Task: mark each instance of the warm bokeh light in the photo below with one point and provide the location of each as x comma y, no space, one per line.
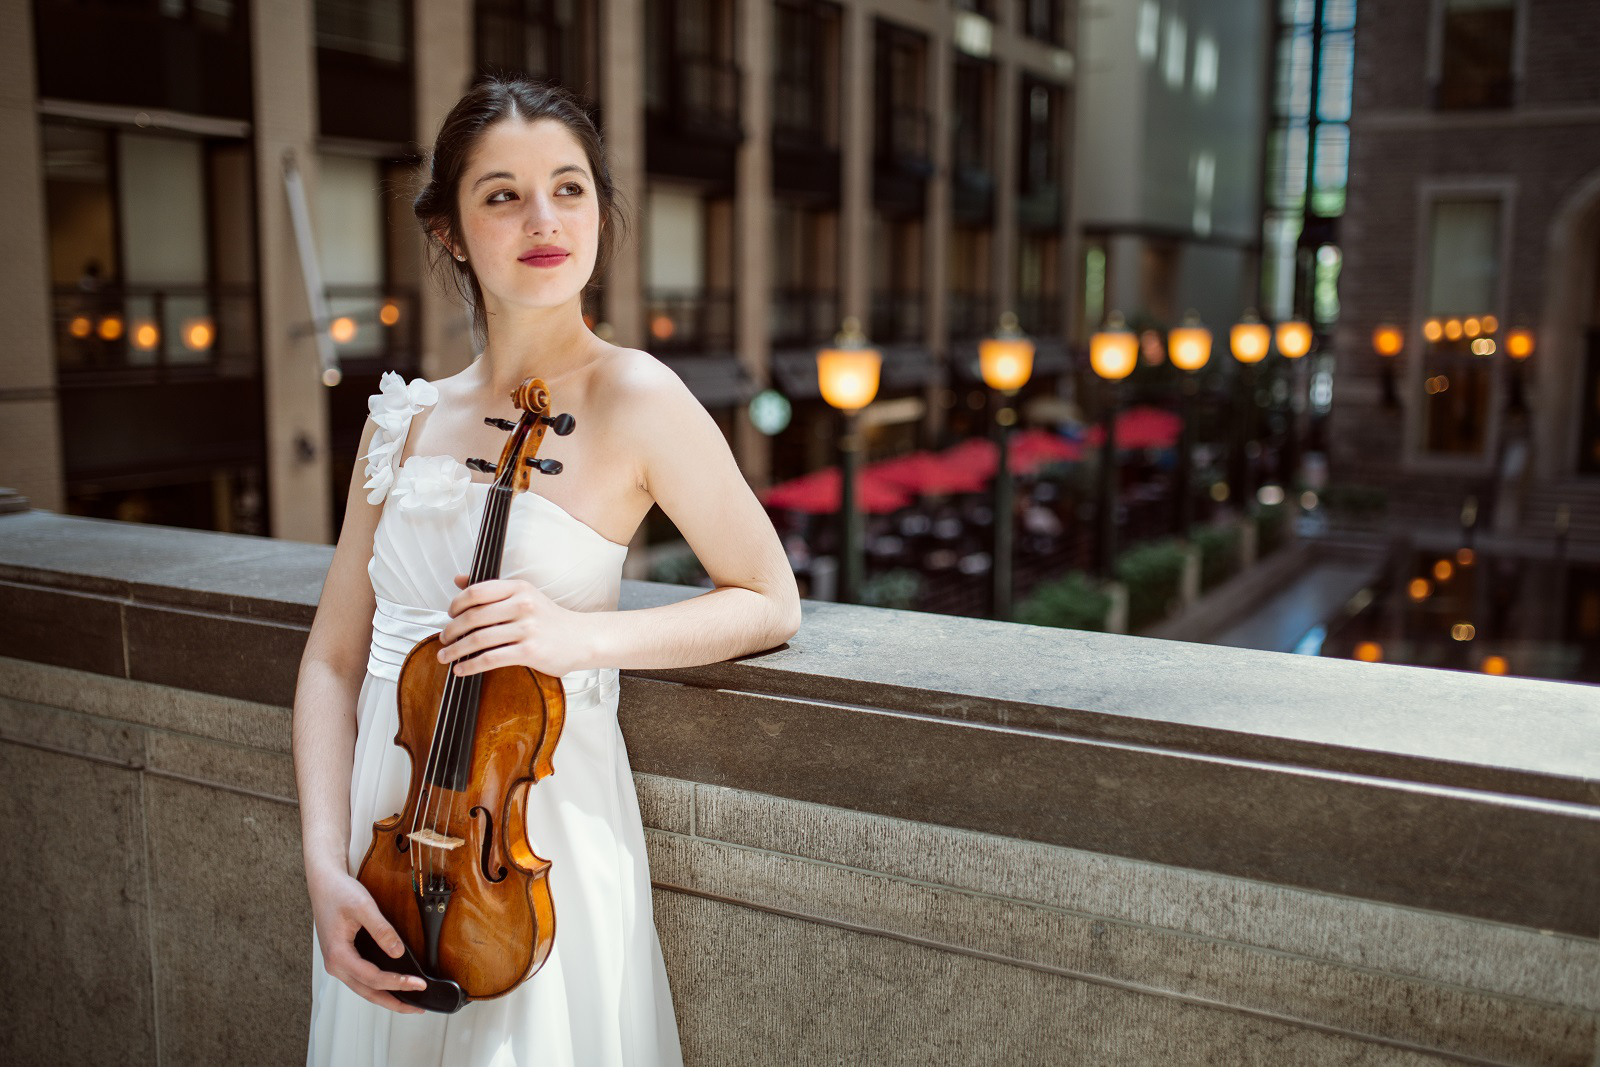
1433,329
1490,324
1219,491
1388,340
332,376
1463,631
1419,589
1471,326
1443,570
389,314
342,330
1452,330
1483,346
1369,652
1437,384
1466,557
1270,495
198,334
1189,346
1250,340
1519,344
145,336
111,327
1114,350
80,326
1308,500
1495,665
1294,338
661,327
1006,359
848,372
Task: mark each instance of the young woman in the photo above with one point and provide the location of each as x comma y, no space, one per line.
521,208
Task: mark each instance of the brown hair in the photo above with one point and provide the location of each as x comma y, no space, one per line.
494,99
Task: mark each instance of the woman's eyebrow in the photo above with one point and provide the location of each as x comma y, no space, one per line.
569,166
495,175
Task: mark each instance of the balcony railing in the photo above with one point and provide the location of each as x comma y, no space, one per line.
896,316
708,94
1040,315
802,317
797,119
1267,858
904,139
151,330
689,320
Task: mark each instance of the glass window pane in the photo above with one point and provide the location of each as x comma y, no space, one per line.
1333,163
1463,272
1338,72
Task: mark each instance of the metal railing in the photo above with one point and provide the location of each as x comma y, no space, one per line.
689,319
803,317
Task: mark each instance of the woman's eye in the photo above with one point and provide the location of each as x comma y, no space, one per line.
492,199
577,190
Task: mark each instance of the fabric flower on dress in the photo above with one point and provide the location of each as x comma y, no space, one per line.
391,409
432,482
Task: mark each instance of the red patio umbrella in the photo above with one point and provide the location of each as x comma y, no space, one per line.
818,493
1143,427
1029,450
924,472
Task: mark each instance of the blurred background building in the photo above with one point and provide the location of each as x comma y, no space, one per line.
792,163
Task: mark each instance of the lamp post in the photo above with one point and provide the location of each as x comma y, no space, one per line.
847,375
1519,346
1294,339
1249,340
1006,360
1387,341
1189,347
1112,353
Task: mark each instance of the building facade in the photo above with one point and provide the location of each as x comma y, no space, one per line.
1474,211
206,174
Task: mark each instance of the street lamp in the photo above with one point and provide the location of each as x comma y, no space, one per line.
847,375
1519,346
1250,340
1006,360
1112,353
1294,339
1387,341
1189,347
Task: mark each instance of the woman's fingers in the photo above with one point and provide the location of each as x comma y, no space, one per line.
498,611
487,637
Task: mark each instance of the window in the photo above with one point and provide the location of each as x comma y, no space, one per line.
1463,286
1478,39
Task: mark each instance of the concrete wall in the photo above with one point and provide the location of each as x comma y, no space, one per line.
916,839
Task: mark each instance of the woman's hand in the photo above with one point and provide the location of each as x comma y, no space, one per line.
508,621
341,905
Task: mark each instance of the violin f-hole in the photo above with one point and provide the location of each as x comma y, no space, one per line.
488,844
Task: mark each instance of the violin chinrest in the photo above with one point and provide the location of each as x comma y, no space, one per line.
441,995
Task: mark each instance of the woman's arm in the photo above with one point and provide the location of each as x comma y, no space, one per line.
324,737
688,469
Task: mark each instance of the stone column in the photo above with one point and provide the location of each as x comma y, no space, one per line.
622,62
855,155
752,208
283,54
936,224
30,423
443,48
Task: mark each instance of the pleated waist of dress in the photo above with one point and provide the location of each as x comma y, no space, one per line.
396,629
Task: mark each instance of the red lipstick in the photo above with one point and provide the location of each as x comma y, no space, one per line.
545,256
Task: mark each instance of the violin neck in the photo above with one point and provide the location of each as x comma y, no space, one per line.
492,534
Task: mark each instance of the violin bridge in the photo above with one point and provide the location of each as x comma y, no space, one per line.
434,839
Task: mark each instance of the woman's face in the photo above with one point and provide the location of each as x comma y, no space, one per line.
530,218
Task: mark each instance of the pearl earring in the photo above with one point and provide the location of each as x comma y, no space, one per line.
462,258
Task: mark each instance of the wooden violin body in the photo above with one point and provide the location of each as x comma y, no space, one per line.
454,871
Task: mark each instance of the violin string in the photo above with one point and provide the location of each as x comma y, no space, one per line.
496,517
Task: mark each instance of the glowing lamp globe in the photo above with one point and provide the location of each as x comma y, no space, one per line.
1250,339
1006,359
1519,344
1189,345
1114,350
1294,338
848,372
1388,340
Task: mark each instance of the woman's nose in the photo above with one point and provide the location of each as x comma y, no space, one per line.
541,217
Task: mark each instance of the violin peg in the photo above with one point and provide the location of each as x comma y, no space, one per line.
500,424
482,465
544,466
562,424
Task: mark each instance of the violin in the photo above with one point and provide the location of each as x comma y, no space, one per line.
454,871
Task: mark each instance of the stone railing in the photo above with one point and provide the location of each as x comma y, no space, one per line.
902,838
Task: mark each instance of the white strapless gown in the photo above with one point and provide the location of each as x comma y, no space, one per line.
601,999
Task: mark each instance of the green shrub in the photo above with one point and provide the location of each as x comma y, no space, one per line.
1153,573
1219,554
1074,602
1272,528
898,588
